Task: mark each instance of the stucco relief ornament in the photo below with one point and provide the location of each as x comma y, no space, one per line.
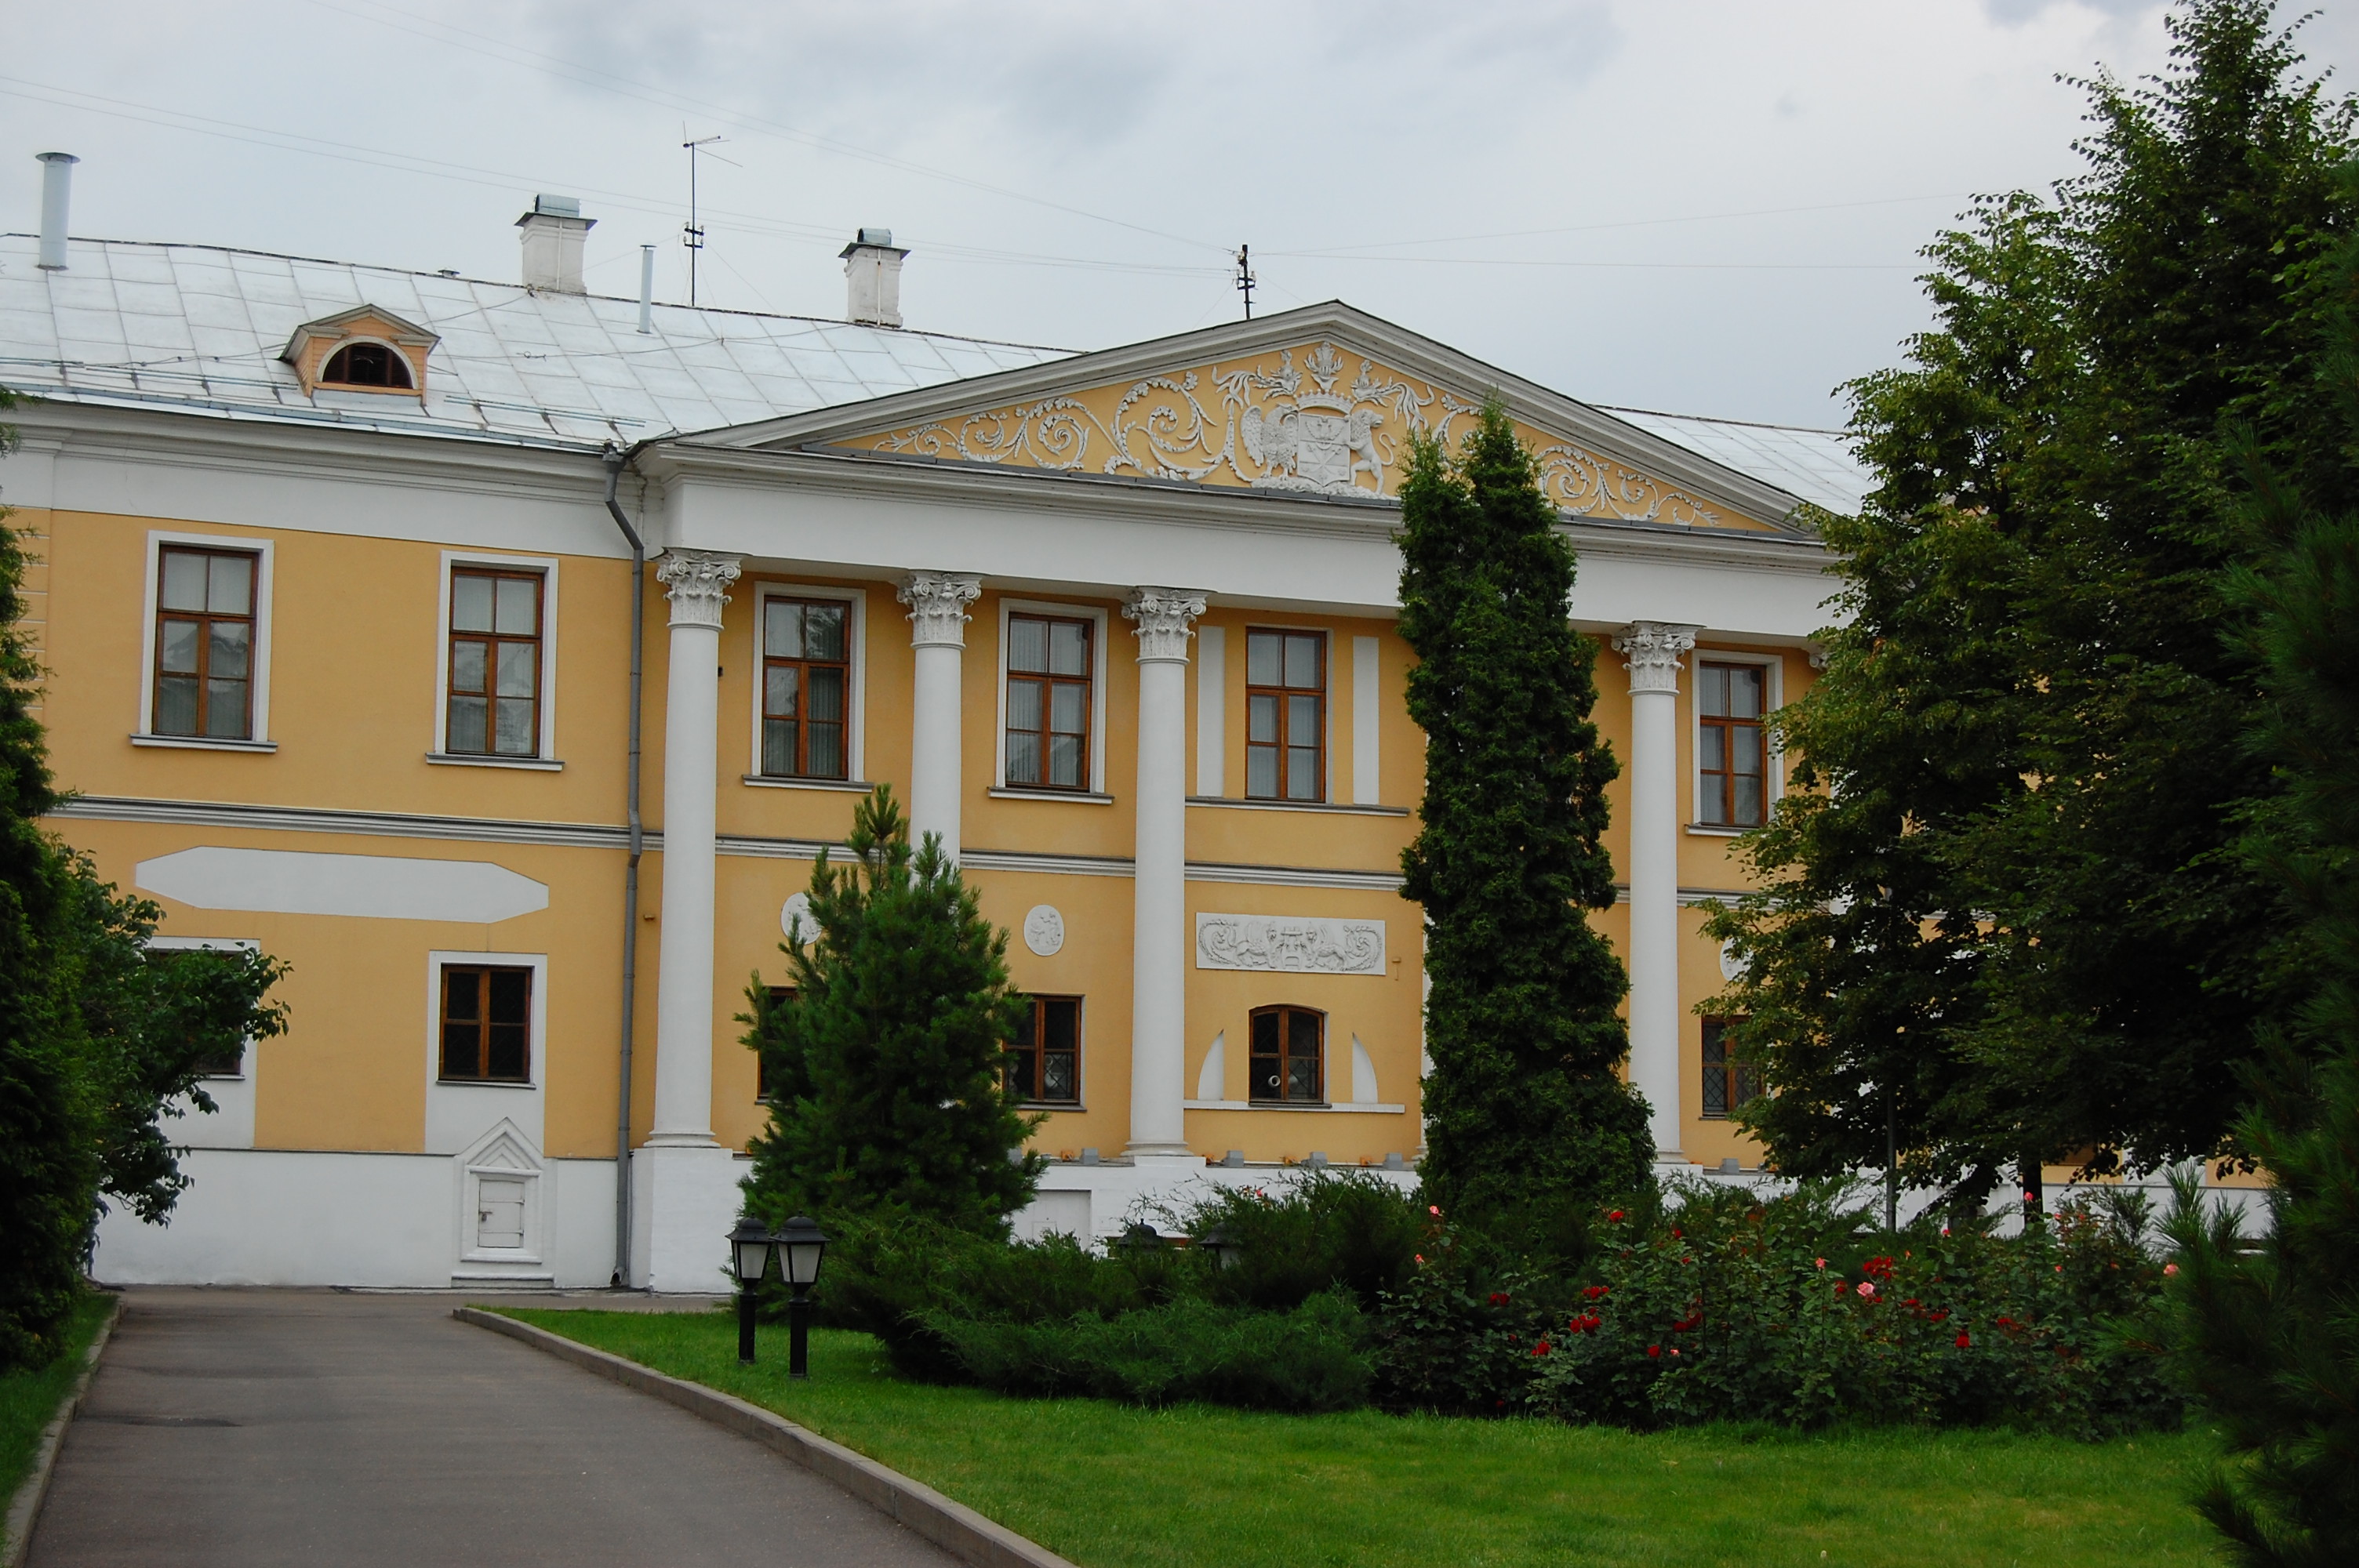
1044,930
697,583
1290,945
795,918
1318,438
938,602
1653,650
1165,616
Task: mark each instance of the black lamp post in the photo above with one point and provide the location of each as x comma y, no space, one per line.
801,1247
1139,1237
1221,1245
749,1259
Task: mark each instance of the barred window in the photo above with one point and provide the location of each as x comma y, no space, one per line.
1727,1083
1045,1063
1289,1056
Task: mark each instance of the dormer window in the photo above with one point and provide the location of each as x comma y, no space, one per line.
363,349
366,365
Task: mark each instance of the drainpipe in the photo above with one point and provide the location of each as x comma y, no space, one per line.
616,458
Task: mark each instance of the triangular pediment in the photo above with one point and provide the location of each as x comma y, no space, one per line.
1321,401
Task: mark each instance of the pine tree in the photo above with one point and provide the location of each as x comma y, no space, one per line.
2017,925
1523,1110
885,1064
2269,1337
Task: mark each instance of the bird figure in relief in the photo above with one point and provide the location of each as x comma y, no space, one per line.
1270,439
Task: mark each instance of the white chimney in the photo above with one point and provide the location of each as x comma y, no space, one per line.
872,277
56,191
553,243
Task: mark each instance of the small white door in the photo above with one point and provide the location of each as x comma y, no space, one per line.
499,1213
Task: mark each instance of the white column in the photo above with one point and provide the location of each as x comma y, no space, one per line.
1159,942
937,618
683,1196
1653,650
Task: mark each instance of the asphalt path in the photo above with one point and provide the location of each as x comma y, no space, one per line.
281,1427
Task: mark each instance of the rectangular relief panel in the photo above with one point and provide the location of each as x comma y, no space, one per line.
1297,944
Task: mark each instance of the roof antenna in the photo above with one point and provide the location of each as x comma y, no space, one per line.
1245,276
693,234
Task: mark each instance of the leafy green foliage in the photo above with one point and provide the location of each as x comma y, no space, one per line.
97,1033
2003,907
886,1066
1321,1230
1523,1110
2268,1333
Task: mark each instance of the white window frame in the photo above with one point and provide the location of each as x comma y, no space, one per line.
546,760
1327,635
856,728
536,1064
1097,616
1773,762
258,690
231,1126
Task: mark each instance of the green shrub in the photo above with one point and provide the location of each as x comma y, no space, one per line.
1321,1230
1310,1358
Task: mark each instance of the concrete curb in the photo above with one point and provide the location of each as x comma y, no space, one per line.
952,1526
25,1507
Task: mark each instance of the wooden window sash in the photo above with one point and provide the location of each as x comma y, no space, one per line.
800,721
1258,1089
201,725
492,642
1724,729
468,1042
1043,735
1028,1065
1284,752
1727,1082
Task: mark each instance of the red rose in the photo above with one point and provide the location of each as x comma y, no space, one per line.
1542,1348
1596,1291
1964,1341
1656,1351
1615,1214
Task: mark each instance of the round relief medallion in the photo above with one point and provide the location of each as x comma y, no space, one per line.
1731,966
795,919
1044,930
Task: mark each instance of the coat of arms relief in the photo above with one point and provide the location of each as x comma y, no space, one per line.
1275,426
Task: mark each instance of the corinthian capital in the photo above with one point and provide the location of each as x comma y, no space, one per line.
1653,649
699,583
938,602
1165,616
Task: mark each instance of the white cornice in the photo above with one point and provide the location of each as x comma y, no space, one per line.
1397,346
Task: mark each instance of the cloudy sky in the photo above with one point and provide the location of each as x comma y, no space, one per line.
1705,206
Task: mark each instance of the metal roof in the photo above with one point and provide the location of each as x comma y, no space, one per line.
199,328
202,327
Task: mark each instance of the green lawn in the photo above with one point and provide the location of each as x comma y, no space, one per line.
1113,1487
28,1400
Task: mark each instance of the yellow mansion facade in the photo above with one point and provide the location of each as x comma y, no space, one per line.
340,601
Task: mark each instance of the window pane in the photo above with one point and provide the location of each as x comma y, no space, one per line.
178,653
1746,810
1709,754
1261,657
777,746
227,656
1747,738
1261,719
1020,1075
1265,1033
778,685
184,581
467,665
1302,1034
225,710
1301,1077
1715,800
471,602
511,996
519,669
1068,708
1058,1080
1302,773
1027,643
1302,661
1024,705
826,695
1746,685
1711,690
824,631
782,628
230,585
1302,722
461,1045
1715,1090
1069,648
176,705
517,735
1261,772
826,761
1062,1020
518,610
507,1052
1023,757
1065,761
468,717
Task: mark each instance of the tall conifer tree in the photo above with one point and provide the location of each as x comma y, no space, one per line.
888,1089
1523,1109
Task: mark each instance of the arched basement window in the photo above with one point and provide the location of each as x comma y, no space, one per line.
367,364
